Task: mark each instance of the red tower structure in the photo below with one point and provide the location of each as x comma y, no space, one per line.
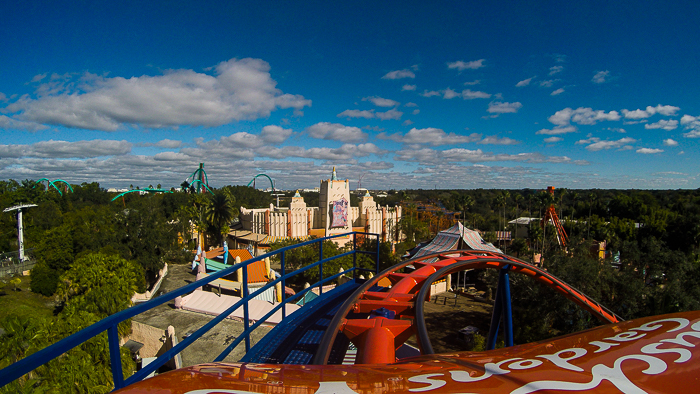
551,214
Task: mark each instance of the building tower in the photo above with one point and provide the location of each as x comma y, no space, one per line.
334,205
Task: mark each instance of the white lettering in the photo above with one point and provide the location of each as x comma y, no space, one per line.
525,364
489,370
433,384
334,388
654,325
653,348
681,341
603,346
626,336
600,372
696,326
563,362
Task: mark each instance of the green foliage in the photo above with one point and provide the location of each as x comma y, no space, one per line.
44,280
219,212
84,369
15,282
100,284
56,248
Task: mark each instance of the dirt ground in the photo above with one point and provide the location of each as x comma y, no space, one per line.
446,314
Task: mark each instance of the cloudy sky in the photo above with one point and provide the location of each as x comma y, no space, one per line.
400,94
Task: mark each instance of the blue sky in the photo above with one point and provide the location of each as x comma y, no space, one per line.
403,94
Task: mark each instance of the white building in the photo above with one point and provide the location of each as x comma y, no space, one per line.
334,215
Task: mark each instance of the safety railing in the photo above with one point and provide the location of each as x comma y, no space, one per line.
110,323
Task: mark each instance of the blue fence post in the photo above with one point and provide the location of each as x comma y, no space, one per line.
502,307
246,314
284,287
320,267
507,309
115,357
495,319
354,257
376,258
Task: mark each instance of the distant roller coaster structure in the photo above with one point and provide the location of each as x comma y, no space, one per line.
53,184
148,190
198,178
266,176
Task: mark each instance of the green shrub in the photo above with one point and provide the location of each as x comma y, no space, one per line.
43,280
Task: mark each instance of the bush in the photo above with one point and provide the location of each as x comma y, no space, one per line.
43,280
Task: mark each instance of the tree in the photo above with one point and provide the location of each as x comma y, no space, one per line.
219,212
100,284
591,198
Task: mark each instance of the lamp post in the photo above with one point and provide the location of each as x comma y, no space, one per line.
20,236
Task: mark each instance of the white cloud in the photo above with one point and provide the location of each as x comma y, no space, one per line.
548,83
430,93
666,110
601,76
584,116
337,132
449,94
410,104
64,149
558,130
356,113
408,87
461,66
38,77
503,107
427,156
552,140
524,82
240,90
7,123
242,140
415,112
596,144
399,74
390,114
275,134
670,142
557,92
468,94
663,124
168,144
344,153
647,151
430,135
472,83
691,123
495,140
381,102
555,70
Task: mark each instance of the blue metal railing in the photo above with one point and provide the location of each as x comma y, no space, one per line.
110,323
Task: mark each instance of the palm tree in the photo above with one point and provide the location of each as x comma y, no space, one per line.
465,202
500,201
591,199
506,196
219,211
518,200
561,193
